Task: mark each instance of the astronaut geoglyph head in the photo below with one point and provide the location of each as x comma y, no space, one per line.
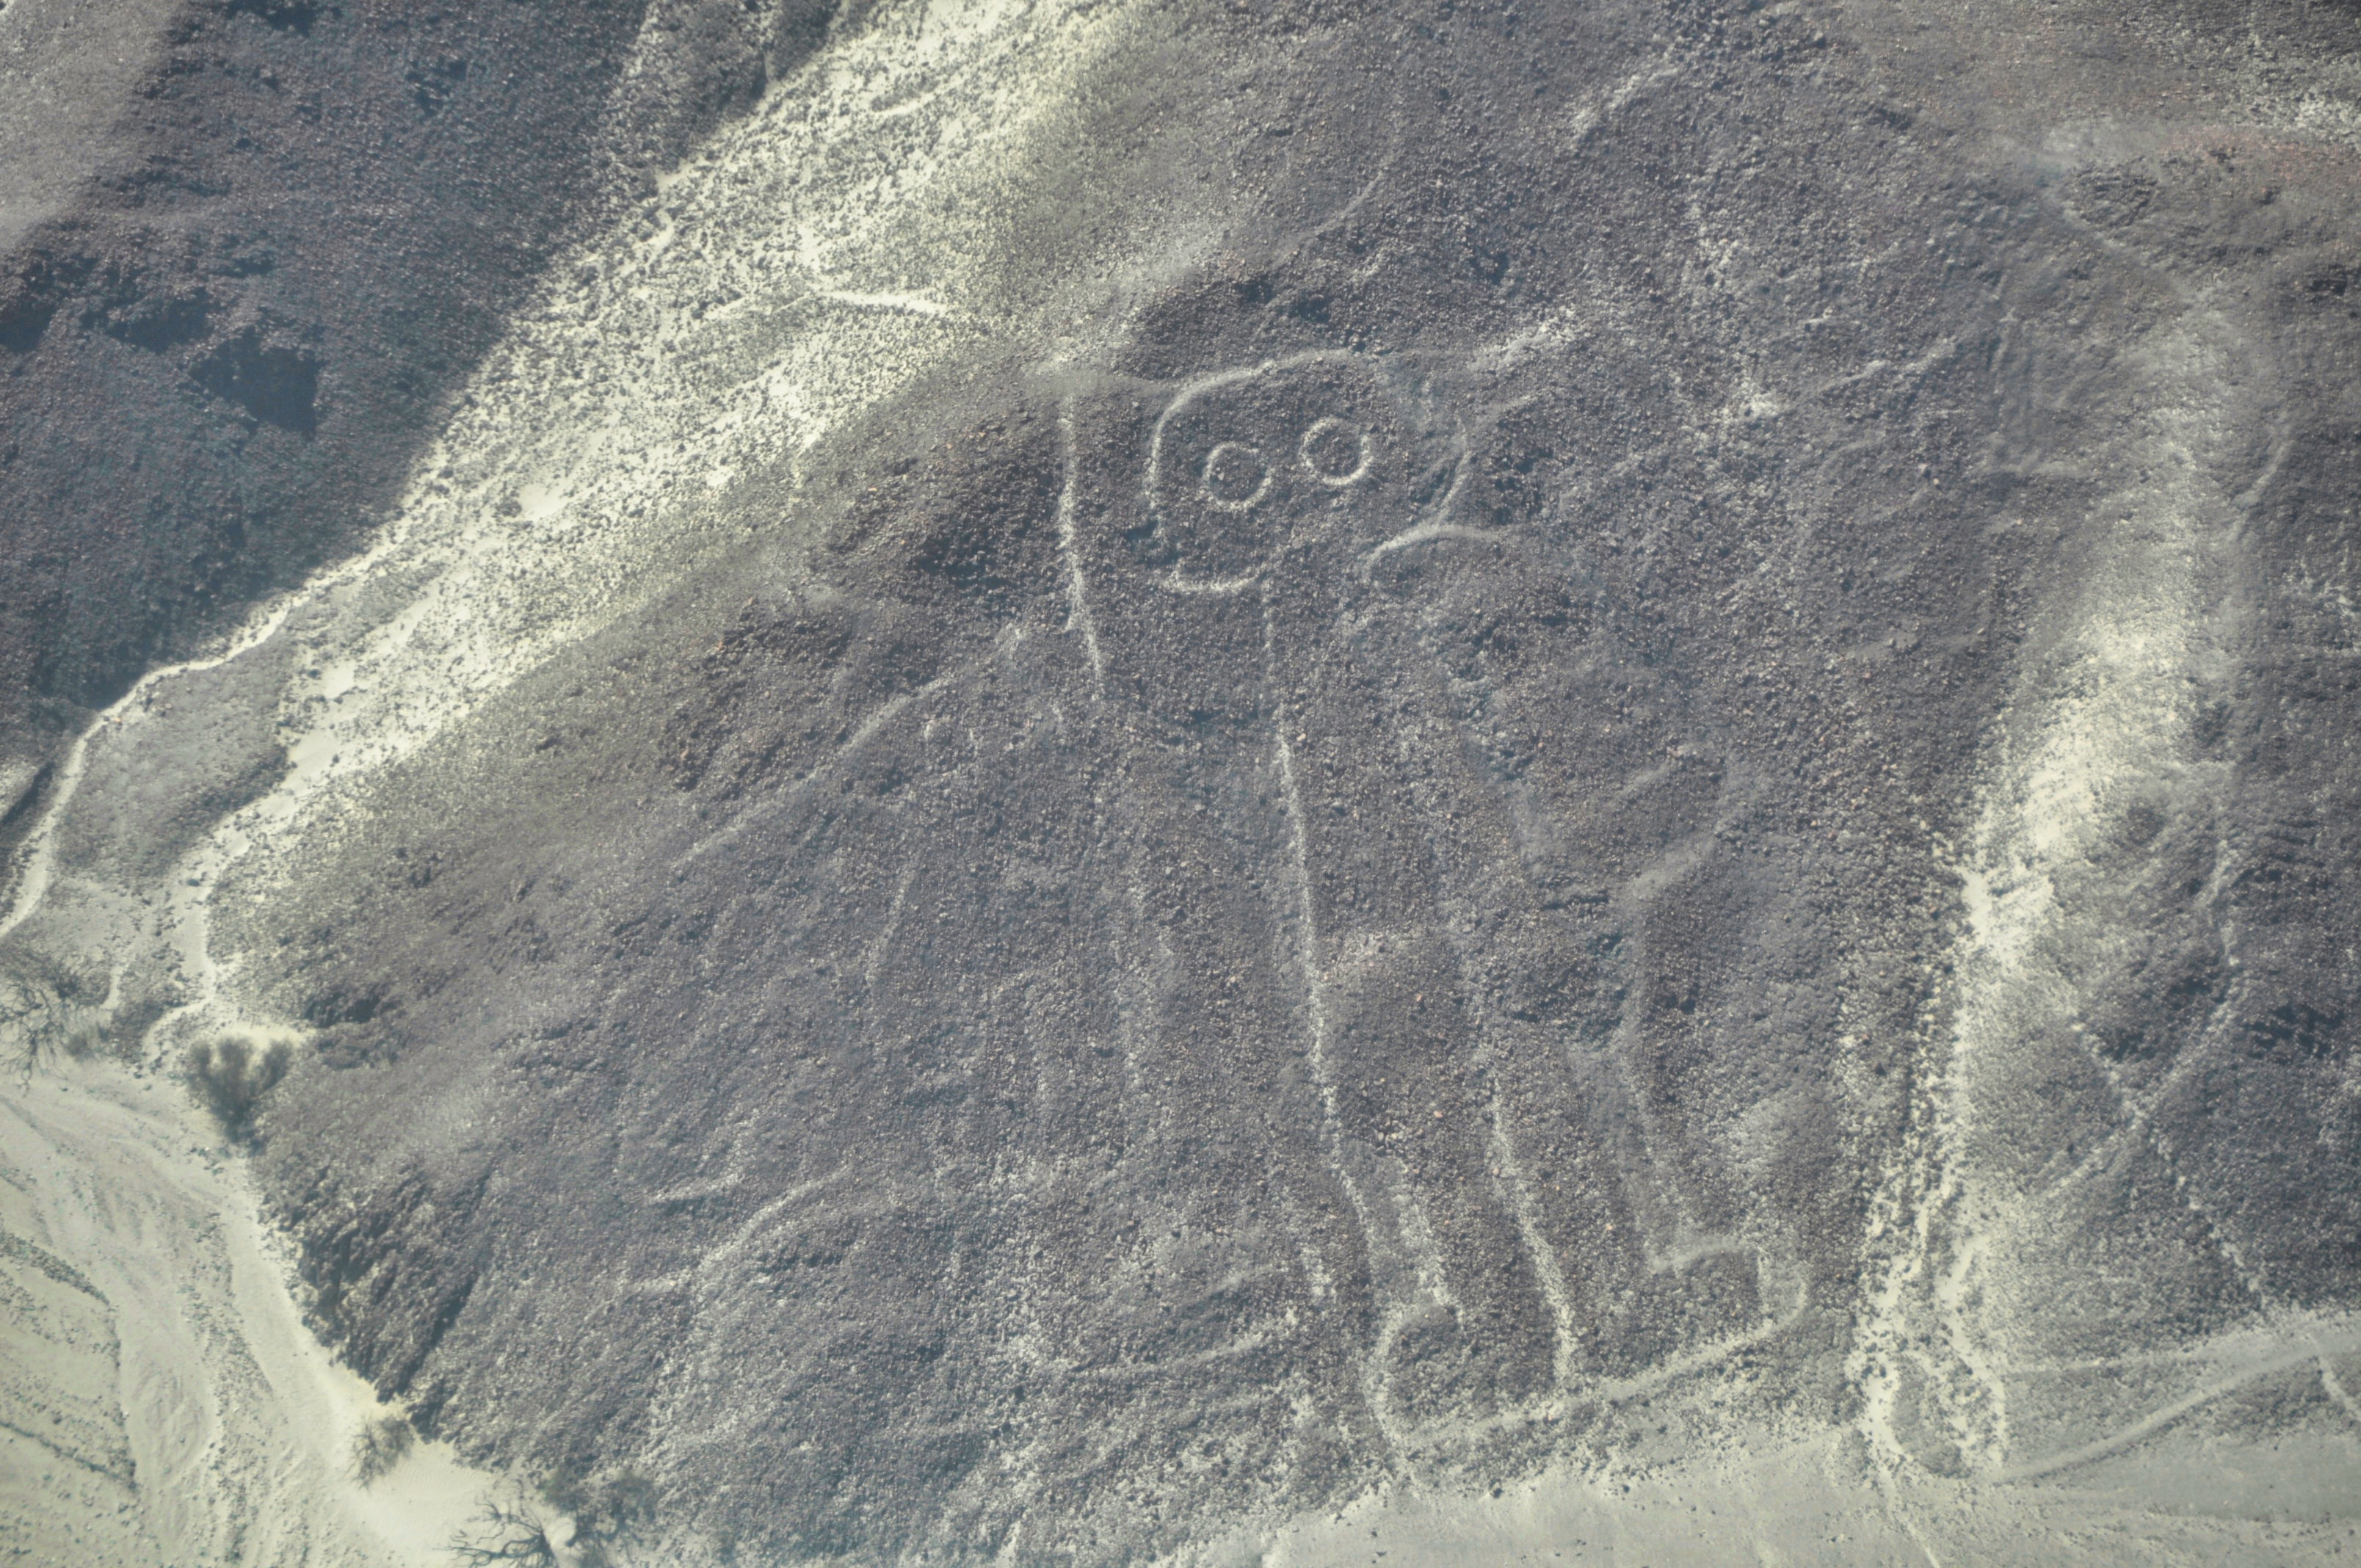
1311,456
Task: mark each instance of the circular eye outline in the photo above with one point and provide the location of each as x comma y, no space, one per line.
1205,478
1319,427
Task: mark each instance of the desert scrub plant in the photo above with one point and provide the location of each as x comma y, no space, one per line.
583,1521
230,1077
610,1504
380,1445
586,1520
608,1511
45,1010
505,1532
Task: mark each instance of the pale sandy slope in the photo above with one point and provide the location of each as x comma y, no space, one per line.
161,1399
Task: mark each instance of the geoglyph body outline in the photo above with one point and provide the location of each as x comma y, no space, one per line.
1431,522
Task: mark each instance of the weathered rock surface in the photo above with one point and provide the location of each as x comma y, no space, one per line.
253,249
1277,781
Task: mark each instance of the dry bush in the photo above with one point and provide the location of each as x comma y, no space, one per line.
607,1506
231,1076
378,1446
47,1009
596,1519
505,1532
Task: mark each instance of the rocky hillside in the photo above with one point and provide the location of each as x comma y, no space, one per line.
1100,781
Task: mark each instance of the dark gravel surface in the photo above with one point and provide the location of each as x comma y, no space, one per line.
1654,762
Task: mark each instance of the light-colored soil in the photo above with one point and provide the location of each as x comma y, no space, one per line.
161,1398
1815,1503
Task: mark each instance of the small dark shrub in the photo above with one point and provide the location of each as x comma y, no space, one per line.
607,1505
231,1076
47,1010
378,1446
505,1532
597,1519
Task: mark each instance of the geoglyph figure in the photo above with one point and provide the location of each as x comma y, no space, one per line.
1293,513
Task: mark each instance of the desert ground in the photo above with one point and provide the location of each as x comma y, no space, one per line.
1105,782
